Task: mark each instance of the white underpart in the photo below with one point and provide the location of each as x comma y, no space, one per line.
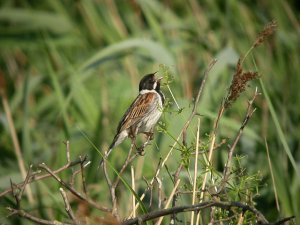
147,125
153,116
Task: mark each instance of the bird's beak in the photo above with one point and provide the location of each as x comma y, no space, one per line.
159,79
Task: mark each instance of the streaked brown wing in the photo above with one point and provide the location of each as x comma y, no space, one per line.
141,106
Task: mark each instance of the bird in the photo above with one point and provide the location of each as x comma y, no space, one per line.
142,115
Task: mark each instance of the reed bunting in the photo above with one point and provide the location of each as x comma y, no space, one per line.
142,115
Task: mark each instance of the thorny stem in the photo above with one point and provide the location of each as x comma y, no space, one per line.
248,115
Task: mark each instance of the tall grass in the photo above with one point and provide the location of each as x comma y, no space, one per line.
75,65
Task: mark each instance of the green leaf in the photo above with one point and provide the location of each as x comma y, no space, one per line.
24,20
279,130
153,49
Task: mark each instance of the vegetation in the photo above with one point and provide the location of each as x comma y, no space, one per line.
69,69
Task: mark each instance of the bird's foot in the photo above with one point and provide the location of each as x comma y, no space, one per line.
149,135
141,150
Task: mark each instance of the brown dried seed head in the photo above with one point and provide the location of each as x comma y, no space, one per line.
238,84
268,30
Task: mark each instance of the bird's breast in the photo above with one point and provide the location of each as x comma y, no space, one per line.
150,121
152,118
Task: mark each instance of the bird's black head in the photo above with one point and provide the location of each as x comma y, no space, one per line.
149,82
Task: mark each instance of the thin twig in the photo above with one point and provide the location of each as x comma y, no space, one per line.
72,190
195,171
151,192
111,190
216,147
169,201
241,219
82,175
133,188
282,221
78,171
188,192
67,143
178,107
14,194
113,185
34,178
206,174
23,214
150,185
18,196
25,182
212,213
68,207
195,105
128,160
108,181
159,188
176,178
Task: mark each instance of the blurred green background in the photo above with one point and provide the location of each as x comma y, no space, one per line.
73,66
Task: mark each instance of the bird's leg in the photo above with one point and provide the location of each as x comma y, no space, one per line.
140,149
136,147
132,136
150,136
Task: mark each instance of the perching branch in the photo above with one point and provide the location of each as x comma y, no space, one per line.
249,113
197,207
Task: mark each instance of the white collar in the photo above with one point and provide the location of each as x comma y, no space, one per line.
147,91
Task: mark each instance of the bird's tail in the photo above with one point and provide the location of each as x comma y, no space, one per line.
117,140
